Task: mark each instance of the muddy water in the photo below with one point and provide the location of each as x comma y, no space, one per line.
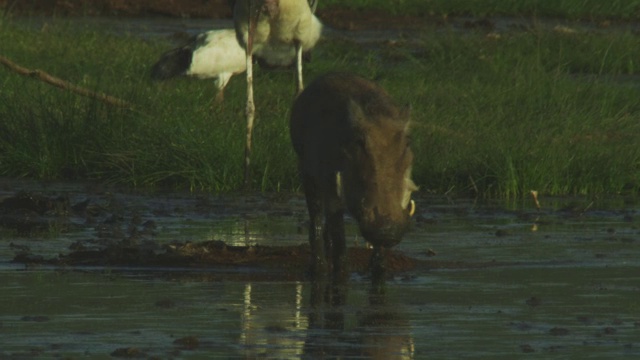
560,281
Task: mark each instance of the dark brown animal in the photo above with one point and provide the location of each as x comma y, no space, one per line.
353,146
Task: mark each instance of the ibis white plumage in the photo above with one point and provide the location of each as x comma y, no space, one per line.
277,32
213,54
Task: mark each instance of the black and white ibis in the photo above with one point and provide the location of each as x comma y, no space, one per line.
213,54
276,32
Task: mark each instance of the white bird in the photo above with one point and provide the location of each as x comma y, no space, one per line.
212,54
277,32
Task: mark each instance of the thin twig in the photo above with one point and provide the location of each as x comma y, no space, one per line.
55,81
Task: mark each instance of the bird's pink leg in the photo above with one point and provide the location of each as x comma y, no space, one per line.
250,109
299,82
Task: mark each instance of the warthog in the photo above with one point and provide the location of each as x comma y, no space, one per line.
353,147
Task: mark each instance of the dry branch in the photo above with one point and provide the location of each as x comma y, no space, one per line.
52,80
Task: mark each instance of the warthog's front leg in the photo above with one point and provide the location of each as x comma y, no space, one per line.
315,205
334,215
378,270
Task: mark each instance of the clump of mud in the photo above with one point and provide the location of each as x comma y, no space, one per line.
27,212
288,261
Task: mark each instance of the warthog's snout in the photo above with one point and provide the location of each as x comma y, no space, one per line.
385,233
354,150
384,230
383,214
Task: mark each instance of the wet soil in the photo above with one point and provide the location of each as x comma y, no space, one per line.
95,226
116,234
282,262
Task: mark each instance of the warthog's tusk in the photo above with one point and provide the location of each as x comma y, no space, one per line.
412,208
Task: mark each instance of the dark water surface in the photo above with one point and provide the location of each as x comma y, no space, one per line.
566,282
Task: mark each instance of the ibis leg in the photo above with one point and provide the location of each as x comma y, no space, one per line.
250,114
299,82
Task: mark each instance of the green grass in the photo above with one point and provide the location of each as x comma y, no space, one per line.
492,115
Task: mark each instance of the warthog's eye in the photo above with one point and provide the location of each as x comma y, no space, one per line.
356,143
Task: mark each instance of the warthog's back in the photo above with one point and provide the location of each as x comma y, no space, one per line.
320,120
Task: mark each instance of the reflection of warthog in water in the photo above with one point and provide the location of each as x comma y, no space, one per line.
378,331
353,147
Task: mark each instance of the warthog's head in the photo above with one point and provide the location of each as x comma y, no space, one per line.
376,179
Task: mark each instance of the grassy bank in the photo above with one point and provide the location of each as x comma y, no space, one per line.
494,115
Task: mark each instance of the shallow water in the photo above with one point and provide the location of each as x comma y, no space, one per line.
566,283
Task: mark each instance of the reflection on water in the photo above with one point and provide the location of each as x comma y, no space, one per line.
273,332
91,314
493,313
298,327
379,330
